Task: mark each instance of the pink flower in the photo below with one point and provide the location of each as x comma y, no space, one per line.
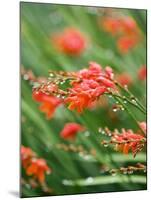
70,130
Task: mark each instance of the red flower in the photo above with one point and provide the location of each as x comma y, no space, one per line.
26,155
128,140
32,165
142,72
94,82
129,26
49,103
71,41
70,130
124,79
38,168
125,43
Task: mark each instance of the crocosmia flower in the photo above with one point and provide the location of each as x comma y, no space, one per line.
26,155
37,168
71,41
70,130
93,83
49,103
125,43
127,141
111,25
142,73
124,79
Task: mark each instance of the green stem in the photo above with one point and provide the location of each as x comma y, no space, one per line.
129,112
130,94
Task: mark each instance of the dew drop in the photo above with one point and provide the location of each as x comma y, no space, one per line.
125,101
122,108
99,130
114,109
89,180
133,101
51,74
105,145
62,82
87,134
26,77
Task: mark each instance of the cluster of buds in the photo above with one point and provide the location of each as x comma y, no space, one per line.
125,141
139,167
76,149
34,166
124,28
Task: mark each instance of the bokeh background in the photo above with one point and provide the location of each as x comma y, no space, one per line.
38,53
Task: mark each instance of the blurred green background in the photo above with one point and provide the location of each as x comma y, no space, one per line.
38,22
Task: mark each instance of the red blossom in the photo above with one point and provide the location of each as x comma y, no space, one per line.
142,72
125,43
26,155
127,141
94,82
37,168
124,79
49,103
111,25
71,41
70,130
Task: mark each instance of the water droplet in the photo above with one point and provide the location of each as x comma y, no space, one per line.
110,96
114,109
133,101
62,82
89,180
105,145
87,134
103,132
26,77
99,130
122,108
58,96
125,172
51,74
117,102
109,134
125,101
